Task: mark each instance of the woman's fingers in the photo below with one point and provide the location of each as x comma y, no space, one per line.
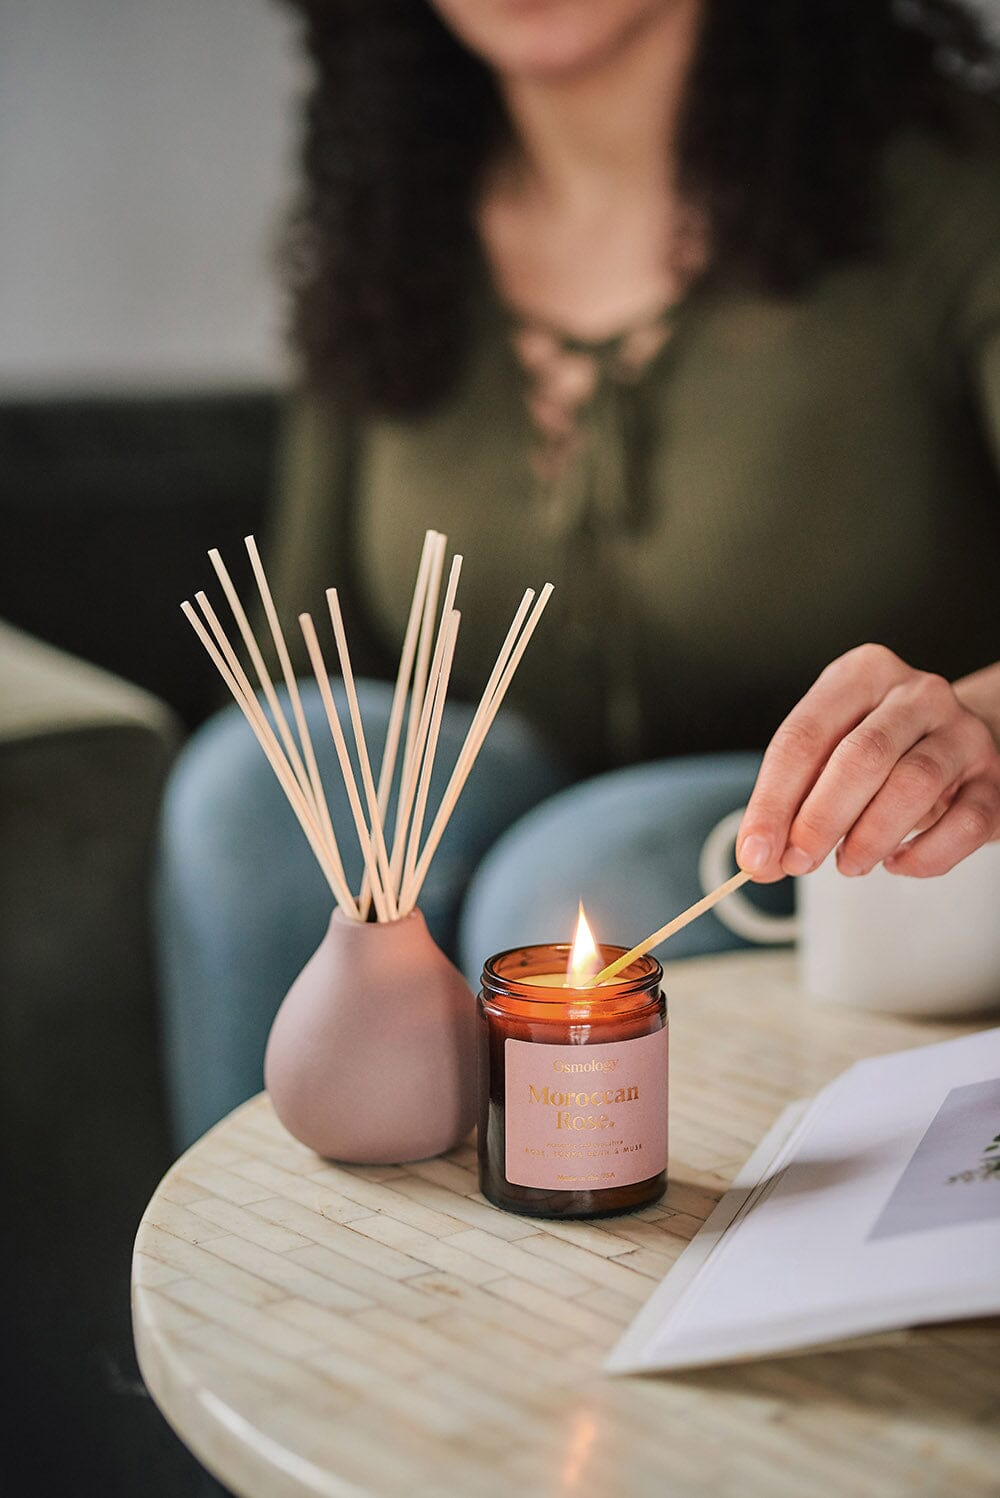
841,698
916,793
880,779
874,752
939,808
973,818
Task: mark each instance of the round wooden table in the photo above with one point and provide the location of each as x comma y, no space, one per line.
315,1328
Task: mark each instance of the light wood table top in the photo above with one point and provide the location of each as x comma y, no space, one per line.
312,1328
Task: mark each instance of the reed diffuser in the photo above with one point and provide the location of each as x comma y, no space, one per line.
371,1057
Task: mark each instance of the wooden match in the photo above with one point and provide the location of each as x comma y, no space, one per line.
679,921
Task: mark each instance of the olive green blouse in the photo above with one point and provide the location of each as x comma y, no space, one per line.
781,480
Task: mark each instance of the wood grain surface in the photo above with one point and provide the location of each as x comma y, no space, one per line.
316,1328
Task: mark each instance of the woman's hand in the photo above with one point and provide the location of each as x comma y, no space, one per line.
873,752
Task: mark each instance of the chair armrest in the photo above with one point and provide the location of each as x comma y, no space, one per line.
45,693
83,759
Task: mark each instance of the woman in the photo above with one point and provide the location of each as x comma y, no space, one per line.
695,306
692,306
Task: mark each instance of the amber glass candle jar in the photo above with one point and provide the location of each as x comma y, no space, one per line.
572,1086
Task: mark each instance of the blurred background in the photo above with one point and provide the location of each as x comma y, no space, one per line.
145,164
146,152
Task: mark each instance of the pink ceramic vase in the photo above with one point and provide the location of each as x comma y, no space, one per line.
372,1056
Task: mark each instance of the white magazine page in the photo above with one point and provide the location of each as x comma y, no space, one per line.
628,1353
881,1211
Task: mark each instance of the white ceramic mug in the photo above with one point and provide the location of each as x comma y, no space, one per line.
927,947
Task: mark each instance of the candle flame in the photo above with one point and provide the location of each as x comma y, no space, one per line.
585,961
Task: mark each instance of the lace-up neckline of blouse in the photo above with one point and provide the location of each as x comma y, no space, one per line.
566,374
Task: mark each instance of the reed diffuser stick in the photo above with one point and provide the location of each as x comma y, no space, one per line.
279,764
408,789
422,666
678,922
427,709
263,675
332,716
481,723
277,635
404,675
312,790
367,781
440,681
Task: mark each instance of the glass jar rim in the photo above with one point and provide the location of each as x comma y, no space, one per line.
640,975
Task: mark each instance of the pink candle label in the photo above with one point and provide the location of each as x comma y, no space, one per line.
586,1117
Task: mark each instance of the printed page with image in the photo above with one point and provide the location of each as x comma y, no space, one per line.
874,1207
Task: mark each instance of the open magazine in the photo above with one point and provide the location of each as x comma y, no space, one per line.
874,1207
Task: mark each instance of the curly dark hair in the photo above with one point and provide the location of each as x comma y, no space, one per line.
787,106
